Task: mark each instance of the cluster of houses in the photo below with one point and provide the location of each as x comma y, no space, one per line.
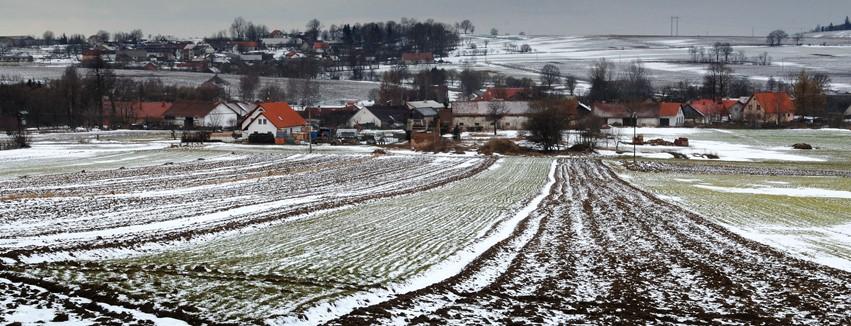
188,55
285,124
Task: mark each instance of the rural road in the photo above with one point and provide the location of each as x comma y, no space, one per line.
598,250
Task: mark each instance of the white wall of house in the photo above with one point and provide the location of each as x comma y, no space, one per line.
261,125
642,122
475,122
362,117
674,121
736,112
221,116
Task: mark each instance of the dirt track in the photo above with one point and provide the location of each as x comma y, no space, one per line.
600,251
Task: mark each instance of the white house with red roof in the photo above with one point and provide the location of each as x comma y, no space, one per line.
769,107
671,114
276,118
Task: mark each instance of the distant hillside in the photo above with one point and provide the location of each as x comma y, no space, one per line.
834,34
846,26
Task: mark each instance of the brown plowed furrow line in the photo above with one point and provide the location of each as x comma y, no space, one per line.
607,252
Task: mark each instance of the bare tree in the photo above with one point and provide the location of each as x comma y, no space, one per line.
809,92
570,84
798,37
309,93
550,74
238,28
548,120
717,80
272,93
248,86
601,75
776,37
48,37
726,50
496,111
494,31
466,26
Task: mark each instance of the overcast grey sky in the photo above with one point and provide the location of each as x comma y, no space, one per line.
567,17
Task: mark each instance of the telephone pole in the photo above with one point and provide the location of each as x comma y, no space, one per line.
675,25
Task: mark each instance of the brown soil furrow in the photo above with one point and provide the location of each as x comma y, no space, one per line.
607,252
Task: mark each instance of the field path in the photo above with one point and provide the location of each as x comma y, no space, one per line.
598,250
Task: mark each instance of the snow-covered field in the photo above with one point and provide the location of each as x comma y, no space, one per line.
124,227
666,58
745,145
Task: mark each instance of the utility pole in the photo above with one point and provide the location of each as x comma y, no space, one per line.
675,22
634,126
309,131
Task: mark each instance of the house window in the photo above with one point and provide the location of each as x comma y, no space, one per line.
508,124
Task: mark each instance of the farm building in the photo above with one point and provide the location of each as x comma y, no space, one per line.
137,113
473,116
188,114
735,108
414,58
839,106
671,114
642,115
424,114
704,111
769,107
381,117
330,116
276,119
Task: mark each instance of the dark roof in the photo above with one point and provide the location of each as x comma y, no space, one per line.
390,115
330,117
190,109
838,103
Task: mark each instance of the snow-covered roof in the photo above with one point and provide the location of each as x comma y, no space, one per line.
481,108
425,104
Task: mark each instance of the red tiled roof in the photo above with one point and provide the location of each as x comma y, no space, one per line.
727,104
281,115
706,107
417,56
772,101
669,109
246,44
503,93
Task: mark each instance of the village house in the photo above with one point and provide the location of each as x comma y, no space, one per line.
704,112
671,114
147,115
416,58
769,108
839,107
615,114
331,117
275,119
424,114
195,114
381,117
473,116
735,108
